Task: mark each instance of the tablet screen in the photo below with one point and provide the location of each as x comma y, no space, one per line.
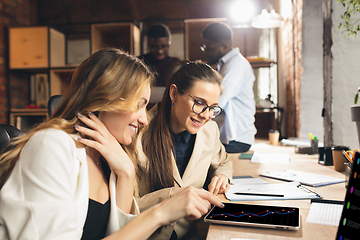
255,215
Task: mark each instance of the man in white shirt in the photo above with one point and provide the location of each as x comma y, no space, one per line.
237,132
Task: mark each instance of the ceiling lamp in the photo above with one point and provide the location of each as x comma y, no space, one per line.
267,20
242,11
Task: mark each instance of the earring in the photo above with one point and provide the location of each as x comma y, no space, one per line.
172,104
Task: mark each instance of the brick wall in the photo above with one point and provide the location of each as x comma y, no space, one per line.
12,13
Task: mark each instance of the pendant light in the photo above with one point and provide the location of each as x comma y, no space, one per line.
267,19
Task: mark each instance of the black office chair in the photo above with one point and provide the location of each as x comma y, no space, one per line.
7,132
53,103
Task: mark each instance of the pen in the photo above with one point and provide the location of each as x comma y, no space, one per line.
259,194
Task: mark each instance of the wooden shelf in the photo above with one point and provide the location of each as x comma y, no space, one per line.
261,63
60,79
40,52
25,119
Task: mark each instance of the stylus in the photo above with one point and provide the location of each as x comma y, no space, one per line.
259,194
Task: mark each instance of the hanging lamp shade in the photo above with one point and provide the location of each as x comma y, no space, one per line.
267,20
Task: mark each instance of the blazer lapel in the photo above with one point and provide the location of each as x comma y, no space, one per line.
177,177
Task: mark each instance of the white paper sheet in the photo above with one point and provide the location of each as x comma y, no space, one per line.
324,214
278,158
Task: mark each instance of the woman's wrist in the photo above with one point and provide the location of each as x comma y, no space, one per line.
157,212
125,175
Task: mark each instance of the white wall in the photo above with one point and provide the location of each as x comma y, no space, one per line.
312,90
345,80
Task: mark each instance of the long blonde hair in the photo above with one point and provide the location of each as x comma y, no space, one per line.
109,80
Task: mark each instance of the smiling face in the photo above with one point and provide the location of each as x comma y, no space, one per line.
182,116
123,126
159,47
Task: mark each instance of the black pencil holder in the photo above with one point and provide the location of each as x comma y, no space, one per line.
325,156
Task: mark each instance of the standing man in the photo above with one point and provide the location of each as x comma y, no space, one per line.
159,40
237,132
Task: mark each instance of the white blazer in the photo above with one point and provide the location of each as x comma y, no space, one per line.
47,194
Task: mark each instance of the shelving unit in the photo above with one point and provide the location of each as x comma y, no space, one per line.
118,35
42,50
24,119
59,79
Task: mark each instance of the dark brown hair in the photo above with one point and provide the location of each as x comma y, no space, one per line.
157,143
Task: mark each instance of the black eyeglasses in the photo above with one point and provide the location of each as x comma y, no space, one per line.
200,106
159,47
205,48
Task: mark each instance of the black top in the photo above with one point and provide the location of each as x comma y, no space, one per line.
160,67
96,220
98,214
183,145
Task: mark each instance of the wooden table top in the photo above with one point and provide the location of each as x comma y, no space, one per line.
300,162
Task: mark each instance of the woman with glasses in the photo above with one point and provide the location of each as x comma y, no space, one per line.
74,177
181,146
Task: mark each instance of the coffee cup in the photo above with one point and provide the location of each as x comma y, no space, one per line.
274,137
338,159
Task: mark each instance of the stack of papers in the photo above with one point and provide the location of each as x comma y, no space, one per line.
309,179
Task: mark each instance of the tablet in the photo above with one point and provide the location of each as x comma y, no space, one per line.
250,215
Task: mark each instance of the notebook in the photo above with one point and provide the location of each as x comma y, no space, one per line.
349,224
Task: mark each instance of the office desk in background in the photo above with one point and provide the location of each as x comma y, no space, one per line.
300,162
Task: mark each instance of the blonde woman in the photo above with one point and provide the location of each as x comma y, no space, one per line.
73,176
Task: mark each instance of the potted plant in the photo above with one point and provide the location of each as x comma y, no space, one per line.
351,24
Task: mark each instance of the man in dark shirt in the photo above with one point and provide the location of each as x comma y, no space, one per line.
159,40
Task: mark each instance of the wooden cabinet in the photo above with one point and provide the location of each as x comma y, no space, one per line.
119,35
41,50
36,47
